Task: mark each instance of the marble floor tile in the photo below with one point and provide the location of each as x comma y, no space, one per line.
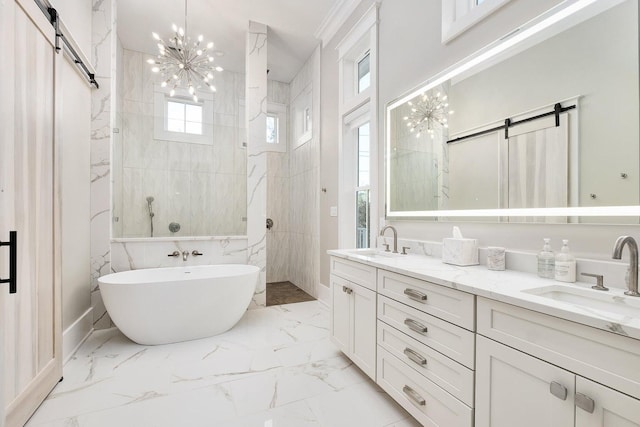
275,368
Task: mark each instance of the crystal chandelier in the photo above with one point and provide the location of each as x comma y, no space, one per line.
183,63
427,113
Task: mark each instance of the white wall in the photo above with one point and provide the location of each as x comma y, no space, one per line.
410,51
329,140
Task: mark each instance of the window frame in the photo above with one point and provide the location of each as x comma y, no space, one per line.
161,98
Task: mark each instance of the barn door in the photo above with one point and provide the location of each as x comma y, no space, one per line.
30,326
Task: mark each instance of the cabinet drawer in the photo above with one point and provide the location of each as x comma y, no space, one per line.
448,304
451,376
605,357
355,272
448,339
425,401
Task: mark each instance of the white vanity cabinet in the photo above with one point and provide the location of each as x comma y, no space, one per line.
426,348
353,313
515,388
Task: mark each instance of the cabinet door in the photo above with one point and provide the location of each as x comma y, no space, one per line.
363,330
340,314
30,318
514,389
610,408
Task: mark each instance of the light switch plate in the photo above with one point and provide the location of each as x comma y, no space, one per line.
333,211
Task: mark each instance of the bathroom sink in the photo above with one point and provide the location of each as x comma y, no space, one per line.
598,302
374,253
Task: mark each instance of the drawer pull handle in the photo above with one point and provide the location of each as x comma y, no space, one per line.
344,289
349,291
415,356
416,326
415,295
413,395
558,390
585,403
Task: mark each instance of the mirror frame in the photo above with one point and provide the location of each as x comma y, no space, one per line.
522,33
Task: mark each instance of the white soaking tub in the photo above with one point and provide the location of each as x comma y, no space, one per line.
166,305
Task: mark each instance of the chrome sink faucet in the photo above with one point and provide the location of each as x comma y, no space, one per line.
395,237
633,262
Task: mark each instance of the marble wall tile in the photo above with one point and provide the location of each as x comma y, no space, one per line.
103,108
277,256
179,156
202,158
278,202
256,97
134,204
278,92
133,72
178,204
135,255
228,209
202,193
278,164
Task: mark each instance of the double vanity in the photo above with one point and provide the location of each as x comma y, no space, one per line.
465,346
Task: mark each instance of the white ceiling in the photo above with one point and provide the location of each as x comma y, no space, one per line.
291,26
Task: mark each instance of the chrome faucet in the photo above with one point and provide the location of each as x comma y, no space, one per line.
395,237
185,254
633,262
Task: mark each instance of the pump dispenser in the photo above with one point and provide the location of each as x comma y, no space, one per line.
546,260
565,264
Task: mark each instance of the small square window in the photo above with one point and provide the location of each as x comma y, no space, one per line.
184,116
364,73
178,118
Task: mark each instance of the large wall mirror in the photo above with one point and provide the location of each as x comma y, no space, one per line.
542,126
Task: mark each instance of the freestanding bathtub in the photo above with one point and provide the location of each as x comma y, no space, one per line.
166,305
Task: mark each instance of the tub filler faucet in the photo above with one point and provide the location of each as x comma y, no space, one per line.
176,254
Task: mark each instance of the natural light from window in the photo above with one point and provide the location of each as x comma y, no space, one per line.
364,73
184,117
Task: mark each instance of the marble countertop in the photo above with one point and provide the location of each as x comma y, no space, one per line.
506,286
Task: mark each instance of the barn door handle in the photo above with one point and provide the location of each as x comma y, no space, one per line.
13,261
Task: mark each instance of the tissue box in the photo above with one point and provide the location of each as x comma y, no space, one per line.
460,251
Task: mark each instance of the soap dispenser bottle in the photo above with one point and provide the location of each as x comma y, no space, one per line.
565,264
546,260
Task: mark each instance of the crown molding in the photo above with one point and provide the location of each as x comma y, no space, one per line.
336,17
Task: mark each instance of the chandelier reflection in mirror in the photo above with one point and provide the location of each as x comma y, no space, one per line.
183,63
427,114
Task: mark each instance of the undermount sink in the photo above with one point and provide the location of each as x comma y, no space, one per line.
598,302
373,253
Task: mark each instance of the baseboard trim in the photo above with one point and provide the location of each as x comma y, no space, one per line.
324,294
76,334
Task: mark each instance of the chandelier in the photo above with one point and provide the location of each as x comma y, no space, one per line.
428,113
183,63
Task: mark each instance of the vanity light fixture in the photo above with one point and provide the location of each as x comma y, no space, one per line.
183,63
427,113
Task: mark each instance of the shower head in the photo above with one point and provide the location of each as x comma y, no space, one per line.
150,199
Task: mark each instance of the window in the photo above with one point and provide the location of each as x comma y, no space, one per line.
358,105
364,73
272,129
178,118
363,204
183,116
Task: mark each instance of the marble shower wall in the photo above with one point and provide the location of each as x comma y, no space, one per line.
200,186
256,93
278,204
134,254
103,57
304,191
